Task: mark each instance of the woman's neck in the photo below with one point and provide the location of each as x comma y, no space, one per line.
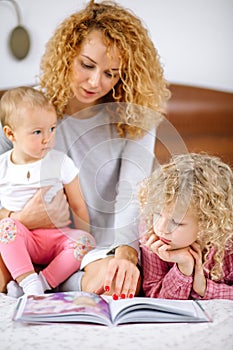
80,110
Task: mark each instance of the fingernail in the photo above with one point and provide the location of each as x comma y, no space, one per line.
131,295
115,297
123,296
107,288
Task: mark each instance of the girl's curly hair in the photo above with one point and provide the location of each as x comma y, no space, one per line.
141,80
206,184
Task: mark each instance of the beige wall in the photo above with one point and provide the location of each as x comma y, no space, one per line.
194,38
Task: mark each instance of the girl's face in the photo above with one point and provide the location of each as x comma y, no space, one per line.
34,134
174,228
95,70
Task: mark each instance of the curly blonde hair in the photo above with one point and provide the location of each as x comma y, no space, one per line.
205,184
141,80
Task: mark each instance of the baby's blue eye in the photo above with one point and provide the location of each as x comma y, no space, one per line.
53,129
36,132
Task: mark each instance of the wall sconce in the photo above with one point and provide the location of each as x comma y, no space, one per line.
19,41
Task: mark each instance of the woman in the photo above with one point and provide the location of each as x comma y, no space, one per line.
102,73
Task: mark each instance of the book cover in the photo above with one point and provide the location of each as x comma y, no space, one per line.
83,307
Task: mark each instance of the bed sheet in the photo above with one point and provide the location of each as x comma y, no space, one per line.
217,334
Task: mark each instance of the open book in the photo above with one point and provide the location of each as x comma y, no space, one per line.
83,307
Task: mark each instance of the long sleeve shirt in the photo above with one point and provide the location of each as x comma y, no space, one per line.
164,280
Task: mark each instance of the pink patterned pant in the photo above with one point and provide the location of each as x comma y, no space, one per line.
60,250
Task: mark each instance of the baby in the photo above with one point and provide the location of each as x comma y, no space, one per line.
29,122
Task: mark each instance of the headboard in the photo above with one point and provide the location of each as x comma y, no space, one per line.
204,120
202,117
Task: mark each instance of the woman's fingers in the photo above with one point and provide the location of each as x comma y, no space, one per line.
58,210
122,278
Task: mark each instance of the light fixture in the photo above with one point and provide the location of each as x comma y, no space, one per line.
19,40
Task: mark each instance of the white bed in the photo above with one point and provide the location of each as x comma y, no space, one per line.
197,336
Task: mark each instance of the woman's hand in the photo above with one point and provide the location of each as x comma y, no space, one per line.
39,214
199,280
122,274
122,278
115,275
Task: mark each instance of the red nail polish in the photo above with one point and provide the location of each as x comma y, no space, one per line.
107,288
115,297
131,295
123,296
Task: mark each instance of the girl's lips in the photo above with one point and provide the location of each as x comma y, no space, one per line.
167,241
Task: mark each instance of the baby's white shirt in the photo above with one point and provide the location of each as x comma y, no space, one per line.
19,182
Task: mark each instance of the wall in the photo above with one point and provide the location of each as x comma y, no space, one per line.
193,37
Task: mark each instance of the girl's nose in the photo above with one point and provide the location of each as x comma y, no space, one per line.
162,226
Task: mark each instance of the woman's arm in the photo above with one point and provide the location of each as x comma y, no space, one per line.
39,214
77,204
137,161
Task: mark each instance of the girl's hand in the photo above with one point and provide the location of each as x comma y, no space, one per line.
181,257
148,239
199,280
39,214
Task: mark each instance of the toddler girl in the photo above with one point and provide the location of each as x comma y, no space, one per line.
187,209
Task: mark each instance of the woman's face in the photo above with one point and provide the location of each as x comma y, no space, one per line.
95,70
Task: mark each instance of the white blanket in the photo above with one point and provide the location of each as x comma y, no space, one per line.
197,336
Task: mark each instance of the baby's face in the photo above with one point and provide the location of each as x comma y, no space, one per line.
178,229
34,135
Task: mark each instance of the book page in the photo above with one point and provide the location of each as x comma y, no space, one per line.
63,307
154,310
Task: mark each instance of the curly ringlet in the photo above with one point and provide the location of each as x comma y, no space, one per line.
208,183
141,74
